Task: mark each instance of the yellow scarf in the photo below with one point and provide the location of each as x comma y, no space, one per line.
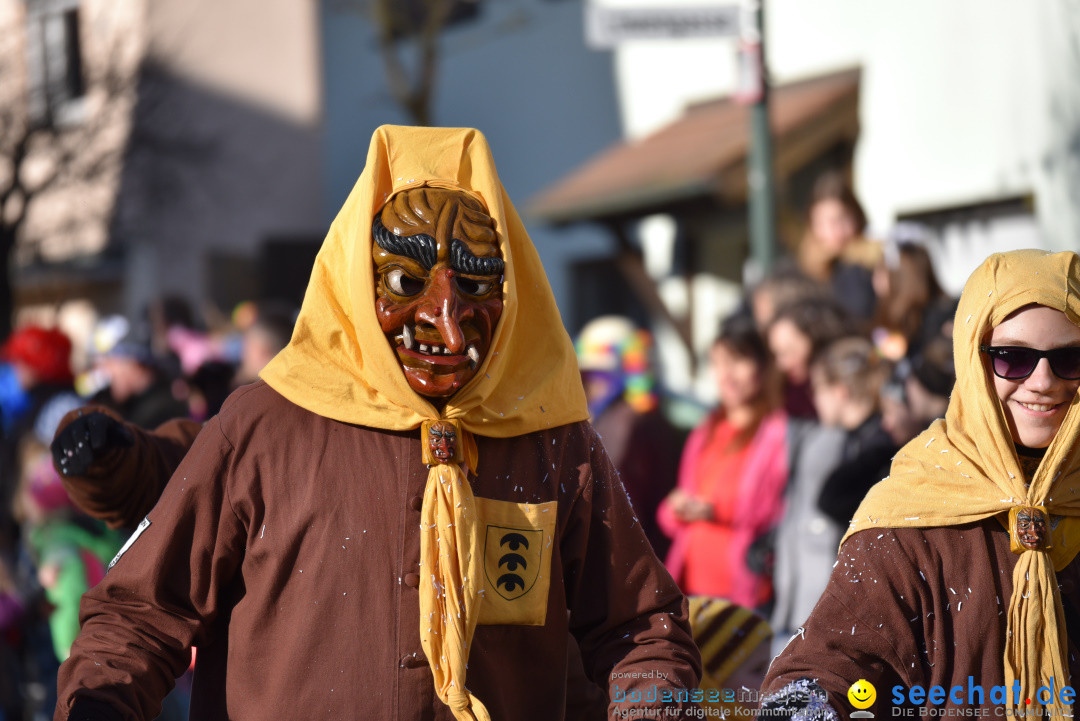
965,467
339,365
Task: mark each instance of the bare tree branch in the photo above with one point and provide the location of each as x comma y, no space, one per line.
413,94
42,156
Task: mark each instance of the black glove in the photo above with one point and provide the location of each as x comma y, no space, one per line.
86,440
85,709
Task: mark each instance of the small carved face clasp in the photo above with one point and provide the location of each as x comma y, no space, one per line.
442,442
1030,528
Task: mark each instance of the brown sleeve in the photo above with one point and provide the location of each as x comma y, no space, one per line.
863,627
628,615
123,486
162,595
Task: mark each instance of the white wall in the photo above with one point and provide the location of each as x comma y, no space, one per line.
233,150
961,101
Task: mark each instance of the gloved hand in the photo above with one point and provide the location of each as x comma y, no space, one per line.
86,440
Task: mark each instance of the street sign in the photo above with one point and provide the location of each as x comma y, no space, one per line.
606,27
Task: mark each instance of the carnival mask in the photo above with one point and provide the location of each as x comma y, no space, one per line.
442,442
439,286
1031,528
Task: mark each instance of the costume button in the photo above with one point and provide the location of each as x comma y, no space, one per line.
416,503
413,660
412,579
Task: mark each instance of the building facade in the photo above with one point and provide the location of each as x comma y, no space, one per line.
186,141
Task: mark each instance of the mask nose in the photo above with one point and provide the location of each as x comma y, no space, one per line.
440,309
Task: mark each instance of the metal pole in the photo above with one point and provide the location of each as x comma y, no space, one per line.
760,195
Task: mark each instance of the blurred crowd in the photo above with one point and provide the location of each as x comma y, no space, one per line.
828,366
146,371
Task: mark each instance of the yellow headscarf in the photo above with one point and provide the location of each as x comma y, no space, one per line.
339,365
965,467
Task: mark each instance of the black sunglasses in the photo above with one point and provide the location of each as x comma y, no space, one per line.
1017,362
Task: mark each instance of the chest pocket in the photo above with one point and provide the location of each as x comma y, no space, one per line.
517,540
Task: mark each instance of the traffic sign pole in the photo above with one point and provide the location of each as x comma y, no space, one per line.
760,183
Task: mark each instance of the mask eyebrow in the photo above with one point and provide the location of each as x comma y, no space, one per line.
463,260
420,247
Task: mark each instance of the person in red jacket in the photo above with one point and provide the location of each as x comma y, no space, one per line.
732,477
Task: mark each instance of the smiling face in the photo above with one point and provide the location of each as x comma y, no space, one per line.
439,289
738,378
862,694
1035,406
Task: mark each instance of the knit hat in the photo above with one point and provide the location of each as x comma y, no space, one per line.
46,351
726,634
115,337
613,345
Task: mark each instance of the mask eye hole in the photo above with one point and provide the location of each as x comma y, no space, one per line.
401,283
470,286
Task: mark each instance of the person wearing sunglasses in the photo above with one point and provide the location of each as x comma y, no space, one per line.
956,586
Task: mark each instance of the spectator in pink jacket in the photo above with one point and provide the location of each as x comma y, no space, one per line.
731,478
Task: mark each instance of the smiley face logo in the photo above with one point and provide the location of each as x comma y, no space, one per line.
862,694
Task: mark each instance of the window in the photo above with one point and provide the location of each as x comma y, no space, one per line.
54,61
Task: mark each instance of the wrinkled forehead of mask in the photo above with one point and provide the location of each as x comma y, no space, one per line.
439,289
436,222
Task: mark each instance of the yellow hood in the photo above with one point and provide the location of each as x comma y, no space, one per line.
964,467
339,364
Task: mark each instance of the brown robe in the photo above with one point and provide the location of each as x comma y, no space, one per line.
915,606
286,548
